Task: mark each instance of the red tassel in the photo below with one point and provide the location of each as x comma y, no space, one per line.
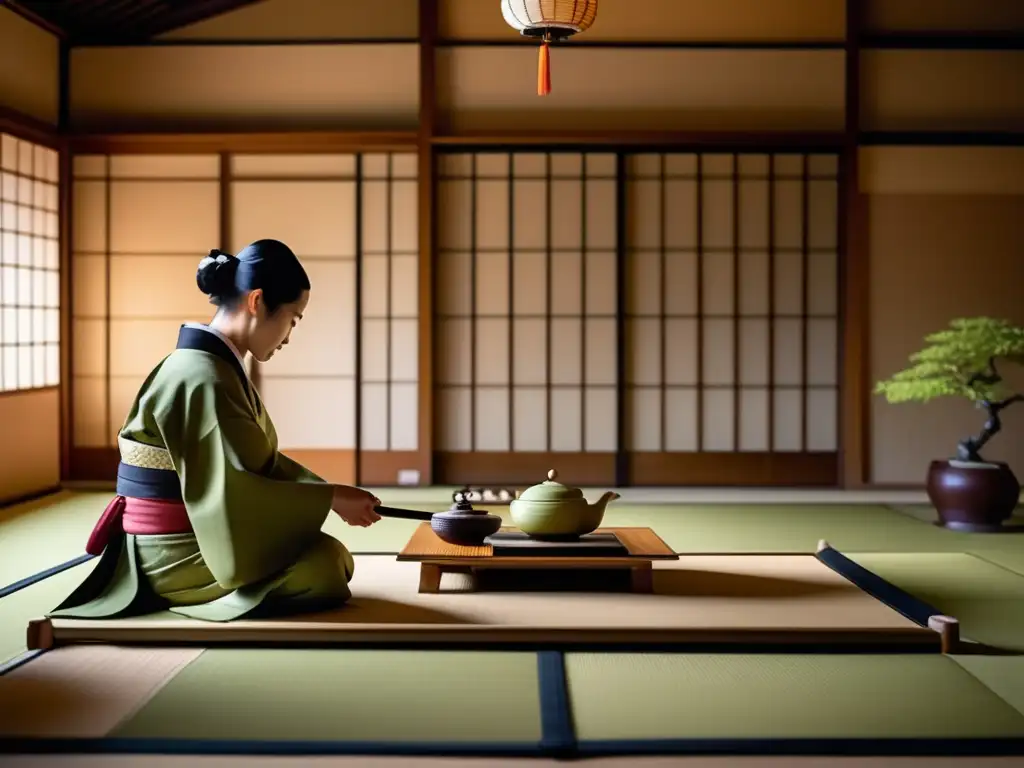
544,71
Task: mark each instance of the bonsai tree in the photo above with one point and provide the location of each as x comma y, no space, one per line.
962,361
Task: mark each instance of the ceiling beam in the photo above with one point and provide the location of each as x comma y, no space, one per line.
35,18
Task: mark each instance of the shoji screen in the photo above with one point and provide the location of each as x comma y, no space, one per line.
139,227
30,271
309,203
731,318
343,393
525,302
389,318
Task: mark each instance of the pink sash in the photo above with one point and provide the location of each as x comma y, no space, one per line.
138,516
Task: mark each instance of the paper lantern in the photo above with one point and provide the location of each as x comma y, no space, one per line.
550,21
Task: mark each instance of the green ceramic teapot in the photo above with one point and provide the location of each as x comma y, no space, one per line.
554,511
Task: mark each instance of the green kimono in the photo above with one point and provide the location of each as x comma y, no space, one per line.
256,545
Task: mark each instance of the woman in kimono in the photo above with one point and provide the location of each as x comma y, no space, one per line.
210,520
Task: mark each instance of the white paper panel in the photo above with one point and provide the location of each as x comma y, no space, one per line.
165,167
492,214
644,351
454,339
821,420
600,214
492,284
681,283
123,392
718,363
601,164
681,351
755,351
753,166
492,350
789,285
89,405
314,218
680,213
89,352
405,286
529,214
566,351
529,164
567,164
566,213
165,216
823,165
789,166
717,276
89,216
311,413
86,166
601,420
530,351
788,425
293,165
754,283
823,289
404,217
455,164
404,351
324,341
89,286
454,214
491,427
753,213
529,290
404,417
681,419
643,213
567,283
136,346
374,365
490,165
822,343
601,293
822,214
374,286
644,430
176,275
644,284
601,351
375,217
454,291
566,419
788,211
788,343
718,419
374,417
716,165
754,411
717,211
530,426
454,418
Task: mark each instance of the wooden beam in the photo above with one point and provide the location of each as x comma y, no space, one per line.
66,268
29,15
854,277
738,140
313,142
29,128
428,23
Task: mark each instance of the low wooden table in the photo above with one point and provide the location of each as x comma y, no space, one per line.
436,556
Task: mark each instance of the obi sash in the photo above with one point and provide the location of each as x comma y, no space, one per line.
148,500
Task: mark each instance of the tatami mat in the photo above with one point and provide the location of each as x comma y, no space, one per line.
674,696
84,691
365,696
987,599
1004,675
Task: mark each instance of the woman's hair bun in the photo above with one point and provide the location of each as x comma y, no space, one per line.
216,274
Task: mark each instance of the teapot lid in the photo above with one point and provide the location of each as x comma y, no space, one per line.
551,490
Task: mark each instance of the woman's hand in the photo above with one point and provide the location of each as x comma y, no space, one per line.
355,506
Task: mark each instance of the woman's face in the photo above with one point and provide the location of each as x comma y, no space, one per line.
270,332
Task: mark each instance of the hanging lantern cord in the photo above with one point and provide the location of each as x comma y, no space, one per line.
544,66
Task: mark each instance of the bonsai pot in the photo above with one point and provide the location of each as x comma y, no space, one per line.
977,497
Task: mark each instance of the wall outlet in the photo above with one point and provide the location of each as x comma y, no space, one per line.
408,477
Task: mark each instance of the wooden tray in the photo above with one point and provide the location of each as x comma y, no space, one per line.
518,544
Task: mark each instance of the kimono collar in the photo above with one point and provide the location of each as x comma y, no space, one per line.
206,339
